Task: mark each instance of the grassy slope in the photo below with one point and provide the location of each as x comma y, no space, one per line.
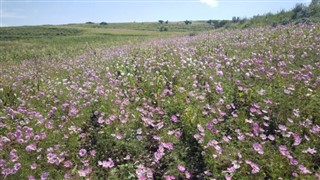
41,42
263,73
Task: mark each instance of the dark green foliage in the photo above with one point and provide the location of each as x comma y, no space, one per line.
30,32
103,23
162,28
299,14
187,22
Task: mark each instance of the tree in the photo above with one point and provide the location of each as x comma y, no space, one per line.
161,21
243,20
234,19
163,29
299,11
187,22
222,23
315,3
103,23
167,22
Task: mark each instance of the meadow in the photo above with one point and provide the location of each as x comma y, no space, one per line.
63,41
80,102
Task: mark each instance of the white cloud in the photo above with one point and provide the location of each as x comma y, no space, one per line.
211,3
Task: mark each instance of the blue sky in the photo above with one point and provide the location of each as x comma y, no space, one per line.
38,12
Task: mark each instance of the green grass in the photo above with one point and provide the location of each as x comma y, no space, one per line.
63,41
152,26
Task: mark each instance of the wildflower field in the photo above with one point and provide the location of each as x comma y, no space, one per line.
231,104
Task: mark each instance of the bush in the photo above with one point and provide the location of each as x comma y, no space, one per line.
163,29
193,34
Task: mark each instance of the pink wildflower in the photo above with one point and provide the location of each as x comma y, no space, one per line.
67,164
297,139
44,176
282,127
73,111
304,170
257,147
82,152
181,168
33,166
31,147
169,177
187,174
255,129
255,167
106,164
310,151
168,145
174,118
219,89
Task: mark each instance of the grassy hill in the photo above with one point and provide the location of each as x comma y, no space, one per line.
31,42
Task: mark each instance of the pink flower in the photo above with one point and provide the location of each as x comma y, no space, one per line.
73,111
271,137
231,169
218,149
297,139
181,168
100,120
168,145
106,164
17,166
200,128
282,127
67,164
182,89
304,170
67,176
31,178
31,147
82,152
187,174
284,151
227,177
82,173
257,147
93,152
13,155
219,89
310,151
64,105
169,177
255,167
293,161
33,166
255,129
174,118
44,176
178,134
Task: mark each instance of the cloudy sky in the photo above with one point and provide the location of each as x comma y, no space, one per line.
38,12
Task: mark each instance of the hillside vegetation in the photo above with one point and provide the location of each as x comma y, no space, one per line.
299,14
209,100
240,104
